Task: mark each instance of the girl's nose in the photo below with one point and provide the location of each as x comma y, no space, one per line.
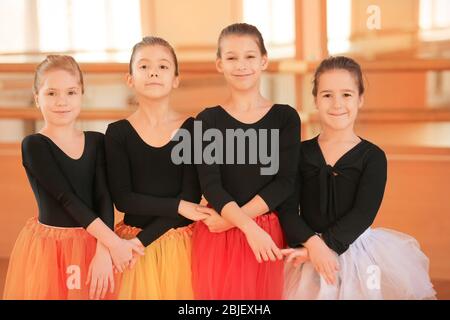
62,100
152,72
337,104
242,65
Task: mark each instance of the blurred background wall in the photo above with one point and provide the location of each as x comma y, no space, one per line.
403,47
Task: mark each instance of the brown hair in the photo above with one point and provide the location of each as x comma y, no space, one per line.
153,41
57,62
339,63
242,29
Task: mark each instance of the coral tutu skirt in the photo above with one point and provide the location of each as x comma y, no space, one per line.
224,267
49,263
380,264
164,272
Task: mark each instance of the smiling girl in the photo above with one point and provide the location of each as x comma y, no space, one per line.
236,250
56,255
342,178
158,196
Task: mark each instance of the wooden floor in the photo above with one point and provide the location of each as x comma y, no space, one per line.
442,288
3,269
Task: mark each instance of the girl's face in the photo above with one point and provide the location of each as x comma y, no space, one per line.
338,99
153,72
241,61
59,97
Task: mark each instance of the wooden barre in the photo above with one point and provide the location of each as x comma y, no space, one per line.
287,65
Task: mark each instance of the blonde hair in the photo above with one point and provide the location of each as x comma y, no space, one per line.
56,62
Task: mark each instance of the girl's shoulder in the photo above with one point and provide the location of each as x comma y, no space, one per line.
117,125
285,108
188,123
372,152
94,139
94,135
208,112
286,113
308,147
118,129
35,140
209,115
309,142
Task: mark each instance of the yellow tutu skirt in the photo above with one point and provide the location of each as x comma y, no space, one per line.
164,272
49,263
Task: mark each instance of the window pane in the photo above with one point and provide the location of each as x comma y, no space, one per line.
12,24
53,28
88,29
434,20
338,25
275,20
88,25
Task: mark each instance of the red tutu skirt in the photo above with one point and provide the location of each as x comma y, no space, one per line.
224,266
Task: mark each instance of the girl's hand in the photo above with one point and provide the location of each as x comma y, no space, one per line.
296,256
100,274
122,253
215,222
189,210
135,255
323,258
261,243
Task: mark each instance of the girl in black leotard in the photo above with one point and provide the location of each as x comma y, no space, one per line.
158,195
57,256
341,183
236,251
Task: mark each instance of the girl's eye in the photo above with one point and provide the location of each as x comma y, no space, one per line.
164,67
327,95
347,95
71,93
231,58
143,67
250,57
51,93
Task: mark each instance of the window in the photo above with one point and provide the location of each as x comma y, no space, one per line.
275,20
90,29
12,23
338,25
434,20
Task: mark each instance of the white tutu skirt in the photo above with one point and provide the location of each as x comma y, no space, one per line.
380,264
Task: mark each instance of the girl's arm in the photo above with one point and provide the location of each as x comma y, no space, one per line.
367,202
190,194
209,174
260,241
103,202
282,186
295,228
